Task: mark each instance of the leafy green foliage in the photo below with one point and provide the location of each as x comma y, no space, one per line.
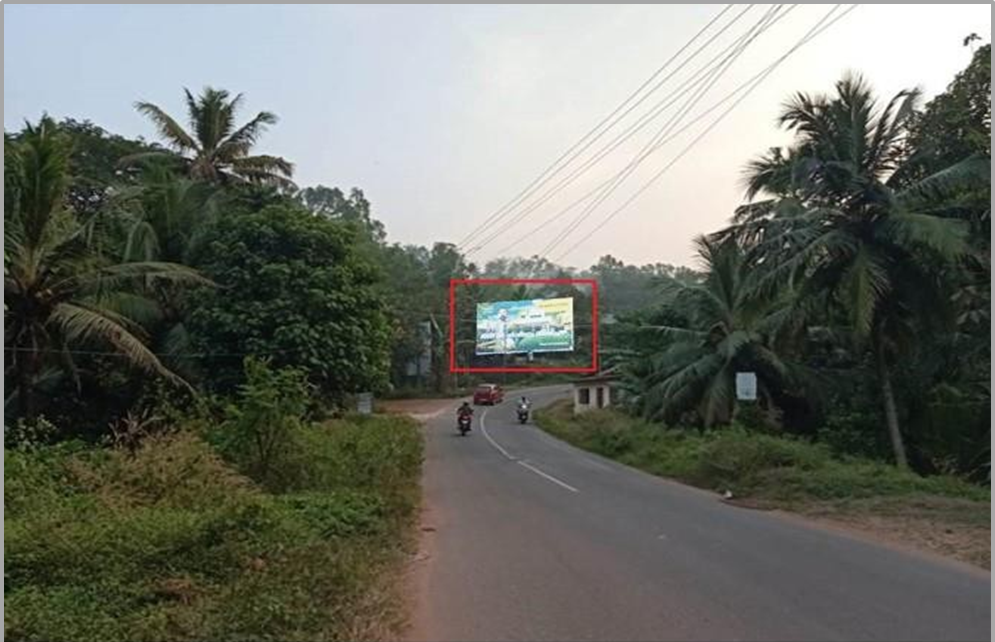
168,542
291,288
684,367
354,209
624,287
749,464
846,228
59,292
262,428
957,123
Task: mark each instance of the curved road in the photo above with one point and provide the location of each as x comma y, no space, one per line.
533,539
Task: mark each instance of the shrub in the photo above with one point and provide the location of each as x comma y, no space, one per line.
261,433
361,453
736,457
169,542
746,462
25,433
855,433
176,470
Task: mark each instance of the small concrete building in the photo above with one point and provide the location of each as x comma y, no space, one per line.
593,392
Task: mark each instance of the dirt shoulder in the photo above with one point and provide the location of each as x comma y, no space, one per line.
418,409
413,580
960,529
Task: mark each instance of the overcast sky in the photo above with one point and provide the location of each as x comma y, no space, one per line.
442,113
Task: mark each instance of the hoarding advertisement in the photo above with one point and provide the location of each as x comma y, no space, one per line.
523,327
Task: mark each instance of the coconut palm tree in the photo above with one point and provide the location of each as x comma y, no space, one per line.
167,219
59,294
215,149
841,223
730,327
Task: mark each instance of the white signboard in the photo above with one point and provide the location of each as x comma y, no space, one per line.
746,386
364,403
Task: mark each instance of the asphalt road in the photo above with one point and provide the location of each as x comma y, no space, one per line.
532,539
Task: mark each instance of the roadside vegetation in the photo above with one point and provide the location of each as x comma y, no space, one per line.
184,330
250,522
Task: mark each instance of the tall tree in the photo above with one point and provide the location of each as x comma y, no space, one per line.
215,149
292,287
957,122
354,209
729,326
59,294
840,225
168,218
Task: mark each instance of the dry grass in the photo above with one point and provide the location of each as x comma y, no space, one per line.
951,527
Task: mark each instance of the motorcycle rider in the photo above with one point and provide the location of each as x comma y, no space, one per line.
523,407
466,410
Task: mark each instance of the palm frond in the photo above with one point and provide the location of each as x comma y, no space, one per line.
262,165
40,180
142,243
80,324
242,140
122,274
891,125
948,238
866,282
675,333
127,308
168,128
973,172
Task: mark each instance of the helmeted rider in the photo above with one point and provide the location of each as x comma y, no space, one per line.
466,410
524,403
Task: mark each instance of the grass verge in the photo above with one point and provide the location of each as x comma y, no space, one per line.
941,513
171,542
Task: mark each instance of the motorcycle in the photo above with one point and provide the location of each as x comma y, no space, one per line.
523,414
464,424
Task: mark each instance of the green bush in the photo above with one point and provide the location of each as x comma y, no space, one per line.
736,457
376,452
855,433
169,542
261,432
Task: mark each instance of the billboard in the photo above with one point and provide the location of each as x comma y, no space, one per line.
524,327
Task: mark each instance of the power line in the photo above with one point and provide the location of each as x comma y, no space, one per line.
689,85
526,192
657,140
817,29
653,144
618,140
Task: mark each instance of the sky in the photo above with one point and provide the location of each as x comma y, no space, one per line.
443,113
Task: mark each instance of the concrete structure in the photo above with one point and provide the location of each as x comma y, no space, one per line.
593,392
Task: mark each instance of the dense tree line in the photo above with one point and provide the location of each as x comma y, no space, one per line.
124,259
854,281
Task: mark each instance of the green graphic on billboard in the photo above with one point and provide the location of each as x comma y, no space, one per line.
522,327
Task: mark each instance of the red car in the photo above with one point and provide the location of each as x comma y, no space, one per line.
488,394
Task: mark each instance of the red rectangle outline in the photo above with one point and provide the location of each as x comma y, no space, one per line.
593,368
